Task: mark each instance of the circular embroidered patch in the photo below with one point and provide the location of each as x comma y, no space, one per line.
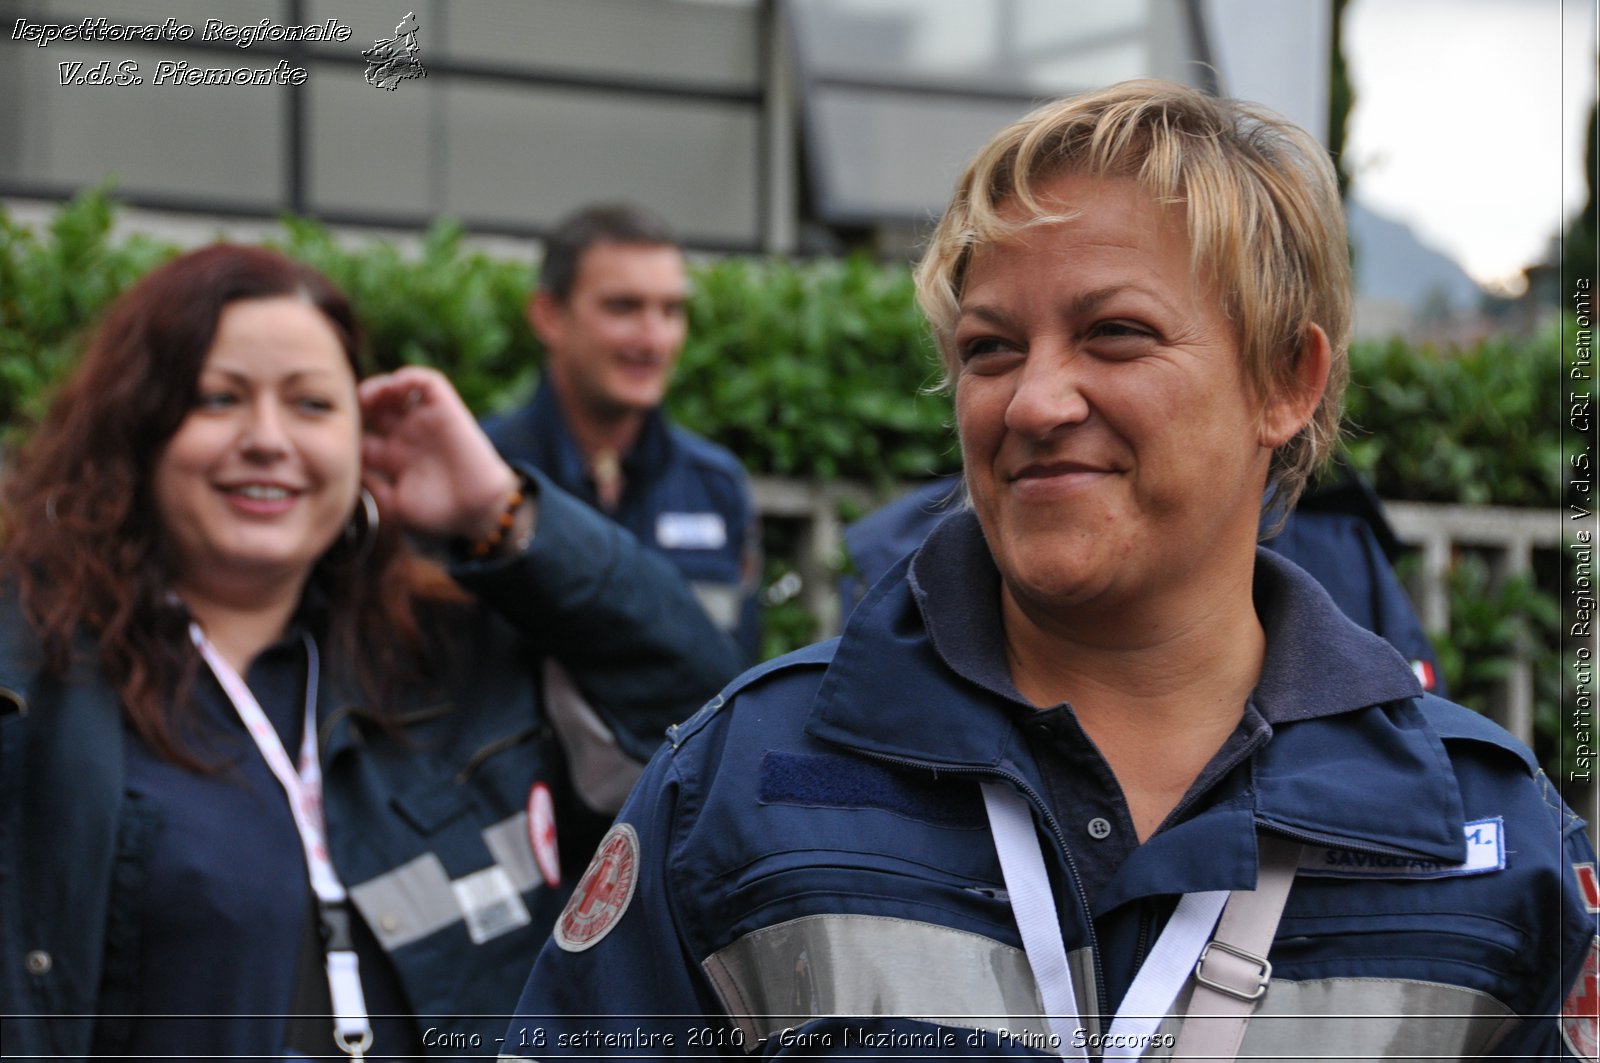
542,834
1580,1016
603,894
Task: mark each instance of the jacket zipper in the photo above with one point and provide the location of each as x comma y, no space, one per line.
1055,831
1146,919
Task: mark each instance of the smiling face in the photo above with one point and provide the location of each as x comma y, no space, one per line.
264,470
614,340
1113,449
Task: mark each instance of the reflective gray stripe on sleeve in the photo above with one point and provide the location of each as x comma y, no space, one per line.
786,975
1366,1019
508,844
861,965
418,898
601,772
721,601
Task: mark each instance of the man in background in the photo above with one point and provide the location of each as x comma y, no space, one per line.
610,310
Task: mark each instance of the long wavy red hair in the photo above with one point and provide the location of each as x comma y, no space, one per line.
83,544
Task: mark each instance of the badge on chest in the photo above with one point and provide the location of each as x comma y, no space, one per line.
1486,852
691,531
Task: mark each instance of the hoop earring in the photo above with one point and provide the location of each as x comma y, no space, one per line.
360,534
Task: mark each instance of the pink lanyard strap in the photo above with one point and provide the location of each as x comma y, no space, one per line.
302,784
301,781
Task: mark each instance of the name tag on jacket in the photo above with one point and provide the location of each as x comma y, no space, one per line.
691,531
1486,851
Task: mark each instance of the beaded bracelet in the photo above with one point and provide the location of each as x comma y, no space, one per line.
508,520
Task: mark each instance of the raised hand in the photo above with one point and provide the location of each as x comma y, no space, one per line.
425,459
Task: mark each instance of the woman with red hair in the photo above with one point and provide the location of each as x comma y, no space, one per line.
261,757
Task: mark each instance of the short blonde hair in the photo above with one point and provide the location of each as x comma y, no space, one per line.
1265,223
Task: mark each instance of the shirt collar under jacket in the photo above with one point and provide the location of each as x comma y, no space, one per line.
920,676
557,452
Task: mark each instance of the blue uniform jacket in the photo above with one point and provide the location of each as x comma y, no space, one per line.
415,814
682,495
807,868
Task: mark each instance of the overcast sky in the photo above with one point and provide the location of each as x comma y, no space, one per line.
1469,120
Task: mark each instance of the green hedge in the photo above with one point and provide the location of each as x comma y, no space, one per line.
457,310
819,369
816,370
51,287
822,369
1477,426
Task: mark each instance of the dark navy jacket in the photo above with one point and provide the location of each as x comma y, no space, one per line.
807,867
414,812
682,495
1337,533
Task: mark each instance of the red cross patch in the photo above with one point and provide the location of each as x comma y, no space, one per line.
1580,1015
1590,886
542,834
604,892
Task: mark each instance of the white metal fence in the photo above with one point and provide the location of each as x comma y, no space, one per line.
1509,537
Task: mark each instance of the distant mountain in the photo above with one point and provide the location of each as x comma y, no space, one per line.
1393,264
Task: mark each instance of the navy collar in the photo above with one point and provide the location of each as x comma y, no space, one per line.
920,676
554,450
957,590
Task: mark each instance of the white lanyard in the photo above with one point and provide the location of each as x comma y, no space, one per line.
302,784
1154,988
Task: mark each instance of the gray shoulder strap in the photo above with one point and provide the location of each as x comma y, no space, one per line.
1233,971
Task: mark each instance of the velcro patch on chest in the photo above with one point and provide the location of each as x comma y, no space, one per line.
815,781
1486,852
691,531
